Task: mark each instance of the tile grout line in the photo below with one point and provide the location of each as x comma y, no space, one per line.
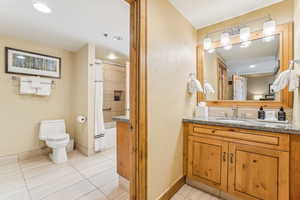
76,170
23,175
65,186
97,188
58,189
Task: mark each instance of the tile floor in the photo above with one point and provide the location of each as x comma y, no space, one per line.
81,178
190,193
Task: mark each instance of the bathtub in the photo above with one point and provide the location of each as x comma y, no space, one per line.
109,140
110,137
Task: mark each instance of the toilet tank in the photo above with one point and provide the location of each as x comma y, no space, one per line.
48,127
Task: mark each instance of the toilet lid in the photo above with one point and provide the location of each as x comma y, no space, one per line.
57,136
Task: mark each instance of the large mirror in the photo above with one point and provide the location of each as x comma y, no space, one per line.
243,74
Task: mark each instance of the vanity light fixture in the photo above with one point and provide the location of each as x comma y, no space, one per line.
225,39
42,7
207,43
269,28
245,34
252,66
112,56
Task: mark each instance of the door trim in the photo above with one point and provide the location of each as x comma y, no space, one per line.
138,98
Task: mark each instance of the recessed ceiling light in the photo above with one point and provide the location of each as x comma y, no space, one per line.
112,56
42,7
252,66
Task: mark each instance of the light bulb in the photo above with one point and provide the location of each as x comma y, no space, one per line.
245,34
269,28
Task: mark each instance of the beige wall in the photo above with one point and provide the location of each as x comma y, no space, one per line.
80,94
171,57
83,98
281,12
114,80
20,114
296,109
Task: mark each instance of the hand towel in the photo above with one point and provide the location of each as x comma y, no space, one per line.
208,88
36,82
293,81
282,81
45,89
194,85
25,86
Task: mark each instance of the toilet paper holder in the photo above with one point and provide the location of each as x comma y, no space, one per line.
81,119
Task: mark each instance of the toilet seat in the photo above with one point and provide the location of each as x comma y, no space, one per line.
58,137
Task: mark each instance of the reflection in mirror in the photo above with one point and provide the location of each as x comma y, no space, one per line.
244,72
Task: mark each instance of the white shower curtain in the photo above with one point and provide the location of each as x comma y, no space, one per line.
99,118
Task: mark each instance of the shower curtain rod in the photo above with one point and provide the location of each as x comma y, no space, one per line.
110,63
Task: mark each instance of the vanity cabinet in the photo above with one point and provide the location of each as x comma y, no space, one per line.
257,173
247,164
208,161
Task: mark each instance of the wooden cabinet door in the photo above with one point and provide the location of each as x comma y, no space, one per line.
123,150
207,161
258,174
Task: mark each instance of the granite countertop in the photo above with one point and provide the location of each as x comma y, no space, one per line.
247,124
121,118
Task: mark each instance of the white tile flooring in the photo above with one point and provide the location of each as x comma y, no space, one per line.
190,193
81,178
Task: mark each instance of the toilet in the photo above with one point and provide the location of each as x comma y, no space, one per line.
53,132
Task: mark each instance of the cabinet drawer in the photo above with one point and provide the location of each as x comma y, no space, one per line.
260,138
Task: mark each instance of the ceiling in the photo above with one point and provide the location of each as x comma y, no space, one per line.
72,24
203,13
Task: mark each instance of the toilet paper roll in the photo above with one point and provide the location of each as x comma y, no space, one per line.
81,119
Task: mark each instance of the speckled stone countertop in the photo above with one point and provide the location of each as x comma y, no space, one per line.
247,124
121,118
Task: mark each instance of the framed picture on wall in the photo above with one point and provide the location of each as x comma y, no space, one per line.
30,63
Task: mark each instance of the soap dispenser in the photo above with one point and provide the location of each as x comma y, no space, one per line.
281,115
261,113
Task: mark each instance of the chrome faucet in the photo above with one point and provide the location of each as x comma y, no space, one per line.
235,114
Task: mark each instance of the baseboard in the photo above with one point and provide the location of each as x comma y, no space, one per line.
26,154
171,191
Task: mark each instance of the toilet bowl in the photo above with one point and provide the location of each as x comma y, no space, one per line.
53,132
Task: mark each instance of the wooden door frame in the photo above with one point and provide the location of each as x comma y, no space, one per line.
138,99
